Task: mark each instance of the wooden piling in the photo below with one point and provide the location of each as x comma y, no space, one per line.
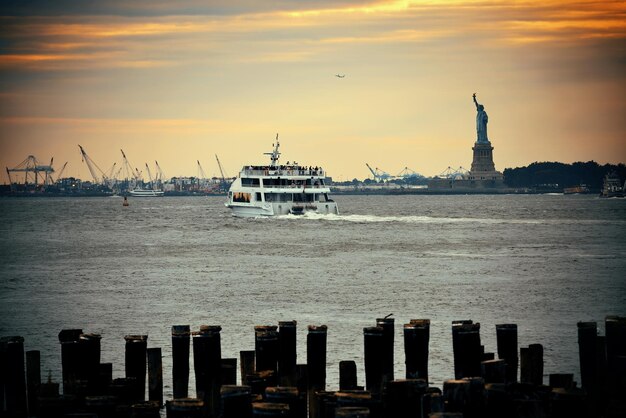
33,380
387,324
105,377
229,371
235,401
493,371
561,380
327,402
456,348
416,340
247,366
466,342
155,376
615,331
287,354
359,399
506,337
531,364
316,363
184,408
347,375
287,395
270,410
15,377
259,381
373,347
587,345
207,357
135,364
403,398
70,359
180,360
352,412
150,409
266,347
89,368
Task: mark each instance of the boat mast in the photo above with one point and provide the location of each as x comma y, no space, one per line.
275,155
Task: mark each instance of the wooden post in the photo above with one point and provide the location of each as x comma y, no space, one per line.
359,399
266,347
33,380
403,398
532,364
615,329
587,334
456,393
347,375
105,377
207,357
493,371
184,408
180,360
155,376
416,340
561,380
229,371
456,348
89,347
373,347
287,354
247,365
387,324
469,352
289,396
316,362
506,336
135,364
15,377
270,410
352,412
70,359
236,401
150,409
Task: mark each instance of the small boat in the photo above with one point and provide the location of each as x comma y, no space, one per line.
139,192
278,189
612,186
576,189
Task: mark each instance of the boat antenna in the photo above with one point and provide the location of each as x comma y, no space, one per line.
275,154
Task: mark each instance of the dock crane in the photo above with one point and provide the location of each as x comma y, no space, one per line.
98,177
224,183
201,173
150,177
130,173
61,171
160,175
378,174
31,165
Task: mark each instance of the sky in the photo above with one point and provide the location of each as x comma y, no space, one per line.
183,81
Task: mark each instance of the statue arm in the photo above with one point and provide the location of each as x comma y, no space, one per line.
475,102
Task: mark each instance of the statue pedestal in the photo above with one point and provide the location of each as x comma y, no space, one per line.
483,168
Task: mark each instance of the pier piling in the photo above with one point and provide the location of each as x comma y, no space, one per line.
587,345
316,364
135,364
33,380
266,348
229,371
531,364
416,340
506,337
184,408
468,351
373,348
236,401
287,354
14,376
180,360
70,359
494,371
155,376
456,347
387,324
89,368
247,366
403,398
347,375
207,357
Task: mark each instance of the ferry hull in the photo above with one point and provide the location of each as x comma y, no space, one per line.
282,208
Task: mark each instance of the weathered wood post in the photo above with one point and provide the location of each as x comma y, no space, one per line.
287,395
89,371
229,371
155,376
587,334
615,327
561,380
352,412
387,324
207,357
287,354
15,377
236,401
33,380
266,347
506,337
493,371
469,350
373,346
105,377
359,399
184,408
456,348
316,364
70,359
531,370
247,366
135,364
150,409
416,340
347,375
180,360
270,410
403,398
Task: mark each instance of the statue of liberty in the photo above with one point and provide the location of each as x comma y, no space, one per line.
481,122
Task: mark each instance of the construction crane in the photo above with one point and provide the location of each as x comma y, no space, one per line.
31,166
128,169
454,174
407,173
61,171
160,176
378,174
150,176
92,166
224,183
201,173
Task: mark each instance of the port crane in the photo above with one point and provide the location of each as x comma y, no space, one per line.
150,177
61,171
454,174
130,173
32,165
93,168
160,175
224,183
378,174
407,173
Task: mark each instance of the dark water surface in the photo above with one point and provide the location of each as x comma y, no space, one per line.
541,261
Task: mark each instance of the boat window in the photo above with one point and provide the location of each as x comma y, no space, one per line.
250,182
241,197
258,197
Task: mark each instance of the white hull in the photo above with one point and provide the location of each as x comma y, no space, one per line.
252,210
146,193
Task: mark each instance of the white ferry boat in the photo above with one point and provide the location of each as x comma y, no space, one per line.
139,192
277,189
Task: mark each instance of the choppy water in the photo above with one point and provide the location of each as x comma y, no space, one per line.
543,262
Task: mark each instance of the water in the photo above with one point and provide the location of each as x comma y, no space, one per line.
543,262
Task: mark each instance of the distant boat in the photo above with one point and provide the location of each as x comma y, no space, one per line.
576,189
139,192
612,186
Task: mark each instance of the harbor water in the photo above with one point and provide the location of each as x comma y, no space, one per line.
543,262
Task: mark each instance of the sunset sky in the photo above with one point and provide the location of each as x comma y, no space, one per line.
180,81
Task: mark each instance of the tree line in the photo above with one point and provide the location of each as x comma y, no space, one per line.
590,174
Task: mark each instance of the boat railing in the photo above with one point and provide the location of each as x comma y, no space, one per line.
282,172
